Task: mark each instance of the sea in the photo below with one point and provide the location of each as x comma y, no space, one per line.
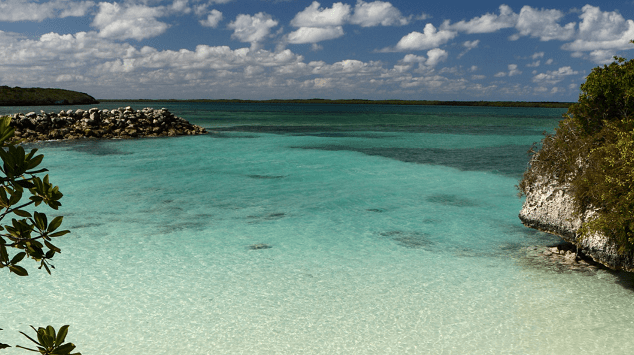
311,229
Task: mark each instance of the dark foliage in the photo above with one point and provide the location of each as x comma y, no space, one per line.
40,96
592,152
30,234
51,343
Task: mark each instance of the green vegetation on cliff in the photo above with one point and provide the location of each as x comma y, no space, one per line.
40,96
592,152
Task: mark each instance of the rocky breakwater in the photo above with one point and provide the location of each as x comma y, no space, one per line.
550,208
98,123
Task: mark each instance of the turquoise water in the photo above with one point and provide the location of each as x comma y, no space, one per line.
392,230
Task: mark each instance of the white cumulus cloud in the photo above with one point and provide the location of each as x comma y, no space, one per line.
213,19
129,21
486,23
554,76
543,23
413,58
602,31
252,29
436,56
316,16
430,38
599,25
513,70
28,10
602,56
181,6
369,14
314,34
537,55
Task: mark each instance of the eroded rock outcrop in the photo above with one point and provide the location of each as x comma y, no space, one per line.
550,208
98,123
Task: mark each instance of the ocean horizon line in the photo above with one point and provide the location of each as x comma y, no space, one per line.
543,104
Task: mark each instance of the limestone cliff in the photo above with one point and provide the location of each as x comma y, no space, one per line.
550,208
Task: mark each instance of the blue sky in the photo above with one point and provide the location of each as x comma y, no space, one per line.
264,49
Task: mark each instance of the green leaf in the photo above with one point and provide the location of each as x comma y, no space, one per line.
49,337
5,156
16,196
55,223
31,153
6,132
64,349
61,335
59,234
36,199
25,183
40,220
4,200
18,257
4,256
52,247
36,171
40,336
18,270
22,213
32,163
46,267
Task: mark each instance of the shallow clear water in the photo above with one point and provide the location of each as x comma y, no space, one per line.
392,230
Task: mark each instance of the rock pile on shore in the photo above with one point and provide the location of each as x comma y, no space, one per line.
123,122
563,257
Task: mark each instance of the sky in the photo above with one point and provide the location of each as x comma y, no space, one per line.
349,49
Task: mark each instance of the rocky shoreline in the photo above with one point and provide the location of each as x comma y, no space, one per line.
120,123
550,208
563,257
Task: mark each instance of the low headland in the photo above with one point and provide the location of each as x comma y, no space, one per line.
580,183
120,123
18,96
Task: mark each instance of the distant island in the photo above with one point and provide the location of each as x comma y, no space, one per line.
42,96
373,102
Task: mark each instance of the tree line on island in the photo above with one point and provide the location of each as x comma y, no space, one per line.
370,102
50,96
18,96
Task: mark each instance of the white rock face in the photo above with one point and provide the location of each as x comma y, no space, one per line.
550,208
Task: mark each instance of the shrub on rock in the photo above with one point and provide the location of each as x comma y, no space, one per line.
592,154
